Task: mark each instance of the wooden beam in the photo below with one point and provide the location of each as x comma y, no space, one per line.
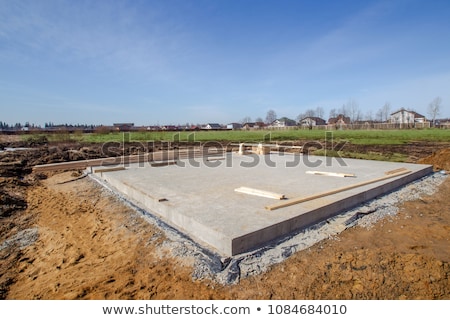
395,171
162,164
271,145
294,201
331,174
109,169
260,193
214,159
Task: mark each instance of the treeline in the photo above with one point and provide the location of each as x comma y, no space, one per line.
17,126
48,125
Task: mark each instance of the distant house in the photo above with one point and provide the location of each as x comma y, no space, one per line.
312,122
153,128
442,123
283,122
213,126
339,120
184,127
253,125
405,116
170,128
123,126
234,126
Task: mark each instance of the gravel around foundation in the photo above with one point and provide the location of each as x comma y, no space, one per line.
230,270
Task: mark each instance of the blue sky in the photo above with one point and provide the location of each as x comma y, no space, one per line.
173,62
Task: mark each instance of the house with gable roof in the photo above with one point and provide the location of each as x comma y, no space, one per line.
404,116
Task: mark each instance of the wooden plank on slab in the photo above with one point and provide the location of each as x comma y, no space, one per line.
270,145
395,171
331,174
294,201
162,164
214,159
260,193
109,169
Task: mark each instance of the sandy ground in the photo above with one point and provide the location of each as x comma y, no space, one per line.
80,242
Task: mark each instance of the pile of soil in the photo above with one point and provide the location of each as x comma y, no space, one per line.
439,159
66,238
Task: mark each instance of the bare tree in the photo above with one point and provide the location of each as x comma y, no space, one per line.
352,109
271,116
333,113
344,110
385,111
310,113
369,116
434,108
246,120
259,119
319,112
301,116
358,115
379,115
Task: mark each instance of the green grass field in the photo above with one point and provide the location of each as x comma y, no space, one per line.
363,137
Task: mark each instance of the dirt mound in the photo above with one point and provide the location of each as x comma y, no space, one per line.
439,159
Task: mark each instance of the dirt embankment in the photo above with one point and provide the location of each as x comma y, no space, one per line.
439,159
75,241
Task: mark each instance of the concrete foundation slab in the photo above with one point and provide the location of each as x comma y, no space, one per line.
197,196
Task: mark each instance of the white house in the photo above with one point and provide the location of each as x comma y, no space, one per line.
253,125
406,116
234,126
312,121
283,122
213,126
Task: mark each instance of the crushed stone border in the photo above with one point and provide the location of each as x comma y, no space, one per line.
229,270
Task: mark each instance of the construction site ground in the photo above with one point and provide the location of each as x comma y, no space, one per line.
75,240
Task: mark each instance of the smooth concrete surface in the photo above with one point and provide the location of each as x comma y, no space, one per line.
197,197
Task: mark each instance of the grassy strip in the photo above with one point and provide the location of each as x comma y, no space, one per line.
363,137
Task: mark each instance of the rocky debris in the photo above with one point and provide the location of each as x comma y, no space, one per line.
22,239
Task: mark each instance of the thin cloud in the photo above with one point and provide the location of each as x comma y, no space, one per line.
92,35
